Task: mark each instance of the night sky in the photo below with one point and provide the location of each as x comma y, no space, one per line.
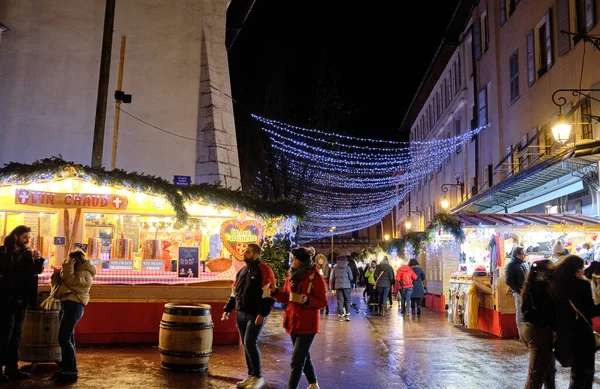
348,67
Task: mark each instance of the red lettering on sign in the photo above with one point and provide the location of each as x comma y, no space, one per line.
87,200
49,198
68,199
95,201
104,201
77,199
34,197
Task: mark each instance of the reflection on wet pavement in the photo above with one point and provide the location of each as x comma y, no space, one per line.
421,352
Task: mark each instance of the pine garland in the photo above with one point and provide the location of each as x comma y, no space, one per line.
448,223
56,167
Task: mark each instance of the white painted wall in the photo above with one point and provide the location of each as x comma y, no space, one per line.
49,69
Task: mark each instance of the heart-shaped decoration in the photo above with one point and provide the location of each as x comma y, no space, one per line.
236,236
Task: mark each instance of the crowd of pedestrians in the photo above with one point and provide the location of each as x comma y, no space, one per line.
555,305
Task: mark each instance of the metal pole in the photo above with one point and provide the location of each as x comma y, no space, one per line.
98,145
115,143
332,249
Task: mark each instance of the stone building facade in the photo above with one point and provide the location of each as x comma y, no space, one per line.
180,121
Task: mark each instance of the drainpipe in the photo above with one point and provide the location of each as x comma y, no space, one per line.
475,116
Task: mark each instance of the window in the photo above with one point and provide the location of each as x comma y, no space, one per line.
490,175
502,12
354,234
457,132
458,75
476,40
513,65
539,49
586,120
455,79
482,107
584,17
448,89
486,32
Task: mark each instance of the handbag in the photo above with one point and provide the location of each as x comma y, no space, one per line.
596,335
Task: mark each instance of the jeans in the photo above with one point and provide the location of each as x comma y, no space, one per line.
542,368
70,313
249,332
301,361
518,313
12,317
382,294
405,295
343,301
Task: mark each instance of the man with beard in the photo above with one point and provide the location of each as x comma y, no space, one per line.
251,283
19,269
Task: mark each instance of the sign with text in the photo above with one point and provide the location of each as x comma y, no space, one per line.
236,236
182,180
70,200
187,265
121,264
82,246
153,265
60,240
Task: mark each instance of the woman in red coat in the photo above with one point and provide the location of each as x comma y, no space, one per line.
305,295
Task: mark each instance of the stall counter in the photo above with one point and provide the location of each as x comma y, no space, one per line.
131,314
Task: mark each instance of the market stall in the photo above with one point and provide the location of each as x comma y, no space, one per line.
152,242
472,272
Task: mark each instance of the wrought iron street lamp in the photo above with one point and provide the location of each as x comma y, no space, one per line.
562,128
407,223
458,185
332,230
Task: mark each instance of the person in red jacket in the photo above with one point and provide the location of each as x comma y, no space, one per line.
404,277
305,295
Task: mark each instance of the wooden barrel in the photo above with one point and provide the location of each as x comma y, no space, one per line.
185,337
39,338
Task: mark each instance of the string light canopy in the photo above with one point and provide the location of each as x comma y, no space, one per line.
351,182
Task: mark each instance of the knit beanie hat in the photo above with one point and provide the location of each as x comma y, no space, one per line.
303,254
558,249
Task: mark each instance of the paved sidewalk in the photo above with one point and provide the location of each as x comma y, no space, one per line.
420,352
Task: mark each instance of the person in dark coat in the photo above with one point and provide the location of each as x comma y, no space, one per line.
19,269
418,292
339,278
516,273
384,279
539,317
575,309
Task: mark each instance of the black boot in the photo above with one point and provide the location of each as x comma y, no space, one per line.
16,375
327,309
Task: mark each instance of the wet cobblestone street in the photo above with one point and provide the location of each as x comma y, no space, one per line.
421,352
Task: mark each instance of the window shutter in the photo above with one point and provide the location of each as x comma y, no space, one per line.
590,20
562,21
530,59
477,39
503,12
548,40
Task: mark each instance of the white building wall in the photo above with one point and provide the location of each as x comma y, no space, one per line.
49,69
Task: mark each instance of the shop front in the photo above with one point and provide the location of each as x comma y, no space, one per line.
152,243
474,272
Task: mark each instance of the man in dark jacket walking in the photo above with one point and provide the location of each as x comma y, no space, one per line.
250,296
384,279
19,269
516,273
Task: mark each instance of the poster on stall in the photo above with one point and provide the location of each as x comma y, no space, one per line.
187,265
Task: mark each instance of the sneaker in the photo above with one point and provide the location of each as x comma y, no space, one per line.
340,318
314,386
257,383
347,318
17,375
246,382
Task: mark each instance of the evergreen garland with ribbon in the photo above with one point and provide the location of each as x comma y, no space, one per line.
446,222
57,168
